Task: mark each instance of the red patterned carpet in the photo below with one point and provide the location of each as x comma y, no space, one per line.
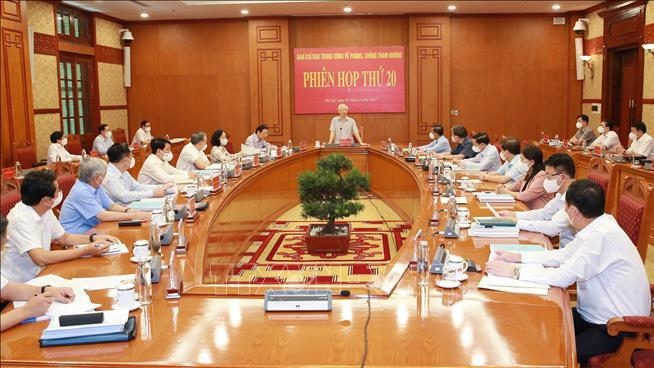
279,256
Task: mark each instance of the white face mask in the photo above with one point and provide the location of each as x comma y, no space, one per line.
502,156
476,149
551,185
64,141
147,129
132,162
633,136
223,141
578,125
454,139
600,129
57,199
108,134
431,135
168,156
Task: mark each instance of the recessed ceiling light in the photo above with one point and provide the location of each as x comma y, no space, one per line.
556,6
347,9
144,15
451,8
245,12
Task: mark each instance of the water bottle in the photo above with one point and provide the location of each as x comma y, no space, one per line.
389,146
223,173
144,282
422,265
18,170
410,149
169,208
155,239
290,147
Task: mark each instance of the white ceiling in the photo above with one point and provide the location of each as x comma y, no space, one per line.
130,10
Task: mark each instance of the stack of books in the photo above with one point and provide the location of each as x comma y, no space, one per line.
488,197
116,325
494,227
148,204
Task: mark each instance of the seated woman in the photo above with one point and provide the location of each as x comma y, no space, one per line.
608,139
530,188
218,151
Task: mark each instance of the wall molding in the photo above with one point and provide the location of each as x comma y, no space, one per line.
11,10
591,100
110,55
113,107
54,110
648,33
46,44
648,101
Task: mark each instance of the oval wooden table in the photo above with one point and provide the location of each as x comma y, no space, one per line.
217,324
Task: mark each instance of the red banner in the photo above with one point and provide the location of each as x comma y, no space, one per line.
367,79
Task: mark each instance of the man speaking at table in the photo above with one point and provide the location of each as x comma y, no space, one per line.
343,127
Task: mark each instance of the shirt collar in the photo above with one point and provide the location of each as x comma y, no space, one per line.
593,227
89,186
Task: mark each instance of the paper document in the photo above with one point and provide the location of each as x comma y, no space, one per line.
249,151
490,207
114,321
102,282
459,200
81,303
510,285
516,248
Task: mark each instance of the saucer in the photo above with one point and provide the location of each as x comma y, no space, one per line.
464,178
461,278
470,189
464,225
135,260
134,306
448,284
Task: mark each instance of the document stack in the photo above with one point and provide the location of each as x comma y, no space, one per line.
116,325
494,227
148,204
488,197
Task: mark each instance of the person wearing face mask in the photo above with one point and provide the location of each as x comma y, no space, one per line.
530,189
57,149
33,226
462,145
602,260
156,168
218,152
192,155
120,186
641,142
103,141
487,159
551,220
513,168
143,136
438,142
608,139
584,132
87,204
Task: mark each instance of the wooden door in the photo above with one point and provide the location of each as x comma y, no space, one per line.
624,80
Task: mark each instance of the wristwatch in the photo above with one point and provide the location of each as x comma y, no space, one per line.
43,288
516,273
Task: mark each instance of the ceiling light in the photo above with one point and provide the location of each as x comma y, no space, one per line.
451,8
556,7
347,9
245,12
144,15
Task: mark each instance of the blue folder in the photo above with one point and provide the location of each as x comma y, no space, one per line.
128,333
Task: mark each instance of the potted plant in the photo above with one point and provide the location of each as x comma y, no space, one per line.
329,193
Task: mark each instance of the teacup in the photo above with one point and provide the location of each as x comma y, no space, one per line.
125,295
141,249
455,268
463,215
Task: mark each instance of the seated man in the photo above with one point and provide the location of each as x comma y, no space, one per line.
487,159
33,226
156,168
120,186
608,138
343,127
584,132
463,148
192,156
38,298
57,149
551,220
641,142
439,142
103,141
258,138
513,168
602,260
87,203
142,136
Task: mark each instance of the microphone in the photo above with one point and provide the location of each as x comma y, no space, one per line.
345,293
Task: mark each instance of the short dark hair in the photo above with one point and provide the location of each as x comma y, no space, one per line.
587,196
260,128
639,125
3,226
437,128
55,136
101,128
158,144
215,137
512,145
37,185
481,137
609,124
117,152
144,123
562,163
583,117
460,131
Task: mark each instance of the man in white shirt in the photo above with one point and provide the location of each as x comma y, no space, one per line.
258,138
57,150
103,141
33,226
487,159
156,168
142,136
343,127
551,220
602,260
641,142
608,139
513,168
439,143
120,186
192,156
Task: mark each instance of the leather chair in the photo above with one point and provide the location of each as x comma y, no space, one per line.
119,135
601,172
74,145
26,155
633,214
66,182
8,200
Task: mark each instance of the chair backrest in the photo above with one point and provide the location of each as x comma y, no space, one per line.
601,172
8,200
74,145
66,182
8,184
119,135
25,154
633,214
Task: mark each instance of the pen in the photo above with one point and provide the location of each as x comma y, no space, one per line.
29,320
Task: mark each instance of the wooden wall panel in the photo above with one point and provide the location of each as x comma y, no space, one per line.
270,94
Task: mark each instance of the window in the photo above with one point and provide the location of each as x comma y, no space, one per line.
73,25
75,73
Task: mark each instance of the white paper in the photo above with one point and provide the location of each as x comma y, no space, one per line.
459,200
102,282
511,285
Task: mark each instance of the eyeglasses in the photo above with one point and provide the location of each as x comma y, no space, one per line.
549,176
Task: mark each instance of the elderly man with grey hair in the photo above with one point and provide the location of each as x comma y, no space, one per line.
343,127
87,204
192,155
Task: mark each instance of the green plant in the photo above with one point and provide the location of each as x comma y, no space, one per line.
328,193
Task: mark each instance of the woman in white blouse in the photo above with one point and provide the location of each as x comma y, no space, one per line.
608,139
218,152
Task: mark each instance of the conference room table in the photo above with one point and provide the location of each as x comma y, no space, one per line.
392,321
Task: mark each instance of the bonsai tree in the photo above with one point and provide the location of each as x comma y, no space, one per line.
328,193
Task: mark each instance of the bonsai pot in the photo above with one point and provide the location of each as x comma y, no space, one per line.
328,243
